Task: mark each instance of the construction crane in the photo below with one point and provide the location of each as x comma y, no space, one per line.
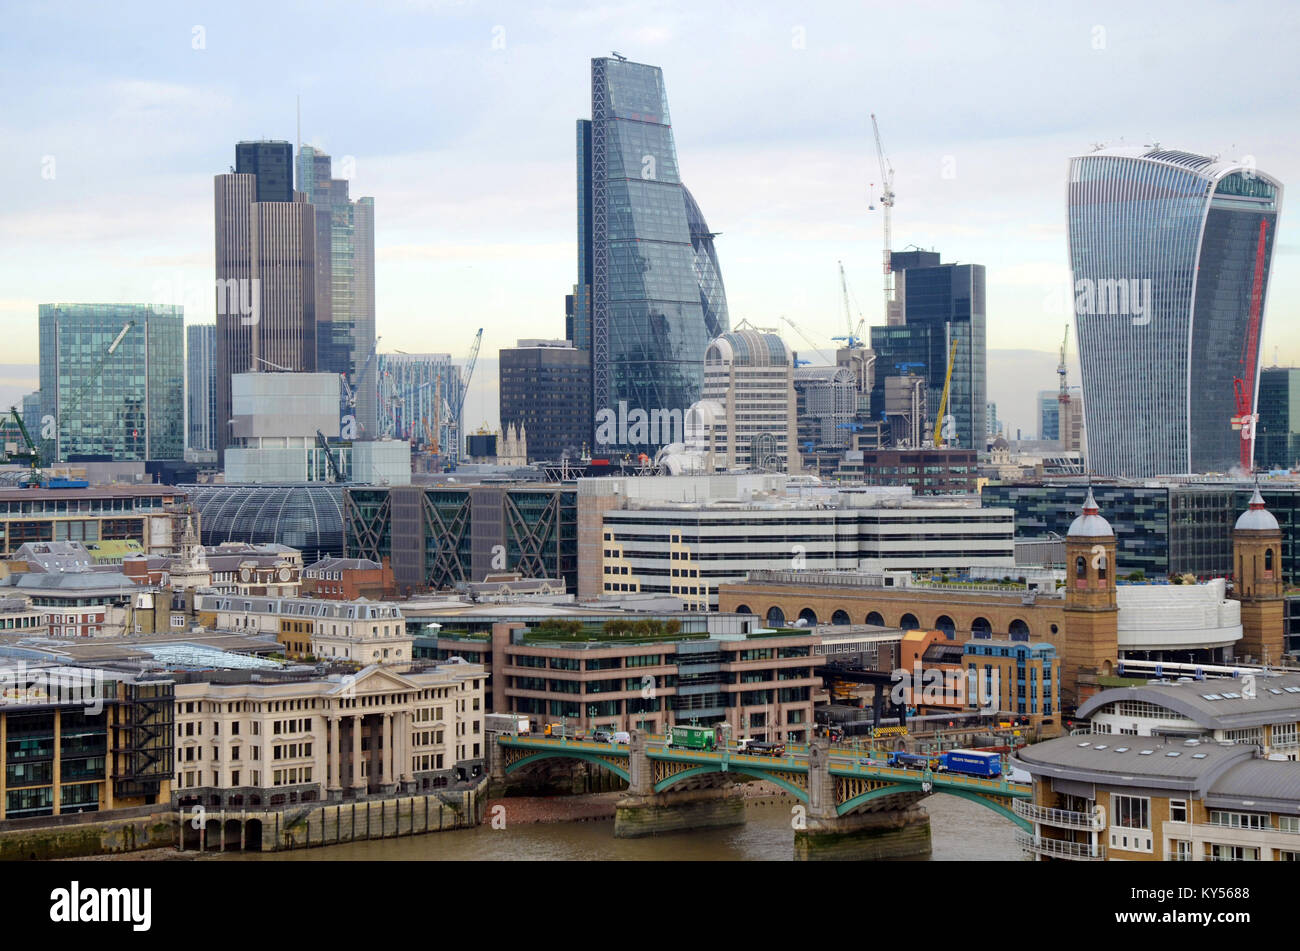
940,419
32,453
800,331
854,334
329,456
1243,391
887,202
458,396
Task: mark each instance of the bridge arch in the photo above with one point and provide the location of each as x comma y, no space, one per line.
589,756
744,770
893,789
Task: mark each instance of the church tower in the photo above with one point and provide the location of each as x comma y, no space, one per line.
1257,582
1091,609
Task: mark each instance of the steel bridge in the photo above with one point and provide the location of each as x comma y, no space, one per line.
859,783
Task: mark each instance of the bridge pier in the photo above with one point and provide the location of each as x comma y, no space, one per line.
644,812
824,835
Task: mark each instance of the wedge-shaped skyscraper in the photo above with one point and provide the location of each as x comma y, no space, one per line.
1170,254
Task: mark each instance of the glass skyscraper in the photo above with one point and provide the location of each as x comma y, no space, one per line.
940,304
201,386
649,295
345,283
1165,247
112,381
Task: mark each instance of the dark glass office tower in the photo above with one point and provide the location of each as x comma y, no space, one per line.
940,304
649,295
1165,247
1277,440
272,163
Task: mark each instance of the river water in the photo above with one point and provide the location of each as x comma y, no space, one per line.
960,831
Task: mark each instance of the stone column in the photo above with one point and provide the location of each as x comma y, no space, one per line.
642,779
334,727
386,761
358,781
404,746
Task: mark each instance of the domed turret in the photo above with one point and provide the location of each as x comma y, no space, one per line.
1090,524
1256,518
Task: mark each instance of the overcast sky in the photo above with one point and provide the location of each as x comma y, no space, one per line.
458,118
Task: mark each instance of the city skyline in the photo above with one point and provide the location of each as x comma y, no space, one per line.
480,234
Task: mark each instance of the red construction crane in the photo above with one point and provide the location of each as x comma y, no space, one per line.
1243,387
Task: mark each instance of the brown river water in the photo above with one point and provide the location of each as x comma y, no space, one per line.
960,831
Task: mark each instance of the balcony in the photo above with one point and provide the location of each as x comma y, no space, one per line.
1060,849
1060,818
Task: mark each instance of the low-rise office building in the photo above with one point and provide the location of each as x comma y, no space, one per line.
79,739
145,513
623,680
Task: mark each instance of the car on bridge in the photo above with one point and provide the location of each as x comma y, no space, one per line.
602,736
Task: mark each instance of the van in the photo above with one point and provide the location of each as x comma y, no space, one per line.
622,737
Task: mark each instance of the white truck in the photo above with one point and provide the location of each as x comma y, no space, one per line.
512,723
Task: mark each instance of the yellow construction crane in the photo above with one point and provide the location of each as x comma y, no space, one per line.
943,402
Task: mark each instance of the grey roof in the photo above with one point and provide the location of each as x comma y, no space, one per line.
110,581
1273,701
1142,761
1259,785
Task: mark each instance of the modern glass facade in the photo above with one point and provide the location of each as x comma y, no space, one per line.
112,381
940,304
345,286
649,295
1277,440
1164,249
272,163
201,386
1159,529
545,388
1049,414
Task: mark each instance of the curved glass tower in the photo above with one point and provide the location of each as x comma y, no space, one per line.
649,296
1170,255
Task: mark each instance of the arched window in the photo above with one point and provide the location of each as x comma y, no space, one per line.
946,624
876,618
743,609
1268,559
808,616
840,617
981,627
909,622
1080,567
1018,630
775,617
1101,565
